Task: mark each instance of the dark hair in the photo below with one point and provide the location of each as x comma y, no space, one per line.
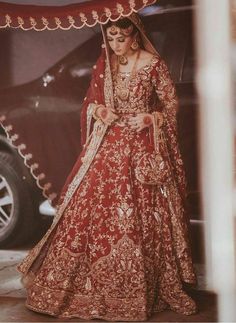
122,23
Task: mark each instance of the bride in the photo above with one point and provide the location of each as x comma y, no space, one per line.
118,248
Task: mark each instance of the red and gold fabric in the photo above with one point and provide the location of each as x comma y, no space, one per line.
118,248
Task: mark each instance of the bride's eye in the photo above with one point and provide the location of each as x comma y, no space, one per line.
121,40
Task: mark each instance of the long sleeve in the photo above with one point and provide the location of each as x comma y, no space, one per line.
166,92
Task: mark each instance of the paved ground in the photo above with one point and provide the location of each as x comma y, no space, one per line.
12,297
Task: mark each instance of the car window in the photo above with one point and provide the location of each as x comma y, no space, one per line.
78,69
168,32
73,72
79,62
159,40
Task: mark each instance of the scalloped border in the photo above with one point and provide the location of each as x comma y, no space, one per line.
71,20
26,158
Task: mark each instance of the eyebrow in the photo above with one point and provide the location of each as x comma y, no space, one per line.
116,36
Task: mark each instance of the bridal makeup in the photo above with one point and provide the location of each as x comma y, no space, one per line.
119,39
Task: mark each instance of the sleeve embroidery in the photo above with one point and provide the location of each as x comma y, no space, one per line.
166,92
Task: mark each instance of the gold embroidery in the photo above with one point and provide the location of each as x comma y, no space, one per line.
8,128
121,233
28,156
33,21
71,20
83,17
95,15
107,12
119,7
132,4
91,150
57,21
45,21
8,20
138,94
20,21
71,23
89,119
21,147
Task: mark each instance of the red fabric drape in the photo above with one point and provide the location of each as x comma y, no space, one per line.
65,17
95,94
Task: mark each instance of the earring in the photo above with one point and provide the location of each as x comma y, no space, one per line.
135,45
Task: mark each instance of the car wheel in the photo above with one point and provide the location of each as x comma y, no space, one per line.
17,214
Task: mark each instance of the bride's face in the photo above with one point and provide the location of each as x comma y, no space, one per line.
118,41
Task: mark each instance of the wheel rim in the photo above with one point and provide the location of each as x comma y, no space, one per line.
6,204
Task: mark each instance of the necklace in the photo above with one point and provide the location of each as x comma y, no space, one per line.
122,86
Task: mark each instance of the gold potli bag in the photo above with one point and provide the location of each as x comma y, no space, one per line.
153,166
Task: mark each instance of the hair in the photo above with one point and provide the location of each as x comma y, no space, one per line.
122,23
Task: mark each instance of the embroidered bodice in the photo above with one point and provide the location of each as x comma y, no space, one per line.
134,93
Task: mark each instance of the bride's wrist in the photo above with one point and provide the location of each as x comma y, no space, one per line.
96,114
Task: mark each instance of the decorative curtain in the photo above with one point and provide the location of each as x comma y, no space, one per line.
28,17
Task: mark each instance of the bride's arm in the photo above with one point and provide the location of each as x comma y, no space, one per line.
166,92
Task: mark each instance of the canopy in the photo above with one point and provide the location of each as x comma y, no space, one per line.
39,18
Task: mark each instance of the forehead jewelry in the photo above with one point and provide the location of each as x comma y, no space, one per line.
114,30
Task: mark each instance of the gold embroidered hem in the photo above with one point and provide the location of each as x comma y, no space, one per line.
95,307
97,291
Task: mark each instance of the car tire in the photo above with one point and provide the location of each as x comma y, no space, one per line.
17,213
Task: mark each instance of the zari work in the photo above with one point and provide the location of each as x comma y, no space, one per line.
112,253
118,249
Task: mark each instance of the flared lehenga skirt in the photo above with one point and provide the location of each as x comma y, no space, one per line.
111,255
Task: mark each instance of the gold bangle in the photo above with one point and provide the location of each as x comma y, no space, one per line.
95,110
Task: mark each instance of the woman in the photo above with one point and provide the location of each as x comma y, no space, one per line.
118,247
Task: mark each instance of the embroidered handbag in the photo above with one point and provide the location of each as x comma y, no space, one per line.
153,167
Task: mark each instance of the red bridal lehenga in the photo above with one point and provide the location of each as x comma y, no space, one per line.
118,248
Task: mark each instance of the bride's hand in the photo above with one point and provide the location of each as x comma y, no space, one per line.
141,121
107,115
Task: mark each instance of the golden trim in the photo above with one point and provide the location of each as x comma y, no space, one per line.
26,158
98,133
71,20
